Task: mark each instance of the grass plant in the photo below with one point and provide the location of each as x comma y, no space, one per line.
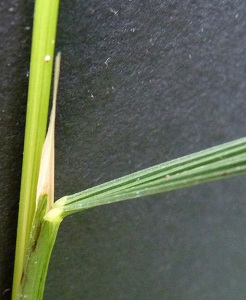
39,215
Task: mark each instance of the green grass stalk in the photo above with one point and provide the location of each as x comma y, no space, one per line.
38,255
42,54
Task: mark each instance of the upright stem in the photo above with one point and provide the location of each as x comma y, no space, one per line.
32,286
42,240
43,43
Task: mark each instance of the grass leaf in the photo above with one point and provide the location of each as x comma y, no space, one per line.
216,163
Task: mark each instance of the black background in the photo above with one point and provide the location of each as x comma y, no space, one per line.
141,82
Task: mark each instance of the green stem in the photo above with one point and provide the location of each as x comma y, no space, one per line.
43,43
33,285
42,239
38,255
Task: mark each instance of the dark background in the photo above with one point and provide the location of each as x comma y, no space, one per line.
141,82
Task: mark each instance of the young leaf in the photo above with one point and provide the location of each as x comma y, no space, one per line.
46,173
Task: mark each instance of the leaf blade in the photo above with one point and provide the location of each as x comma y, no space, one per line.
218,162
